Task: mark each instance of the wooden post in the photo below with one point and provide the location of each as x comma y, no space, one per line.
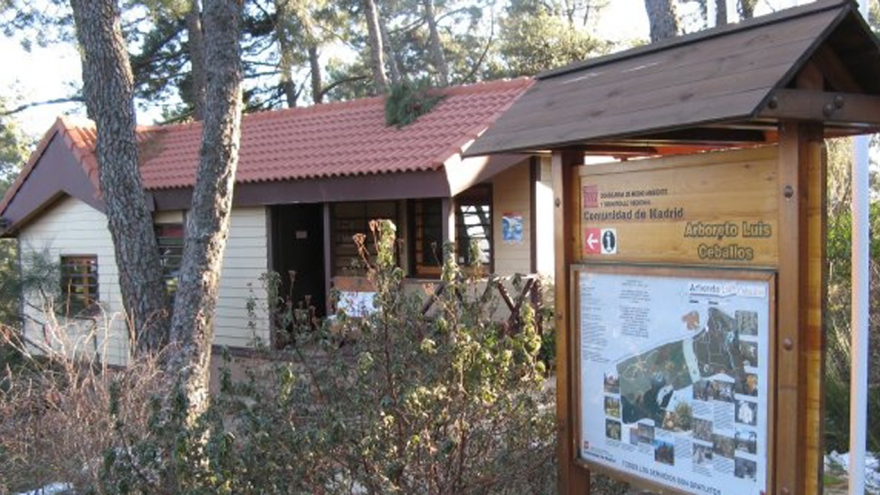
572,478
326,218
801,287
817,278
447,216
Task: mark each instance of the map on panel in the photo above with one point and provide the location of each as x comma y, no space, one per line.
673,374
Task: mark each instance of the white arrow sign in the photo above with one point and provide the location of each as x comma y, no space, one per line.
592,241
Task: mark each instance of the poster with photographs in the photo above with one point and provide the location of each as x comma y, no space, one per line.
673,377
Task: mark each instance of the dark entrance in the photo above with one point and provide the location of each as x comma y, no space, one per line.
298,254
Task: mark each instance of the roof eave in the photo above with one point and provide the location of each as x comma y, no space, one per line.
532,148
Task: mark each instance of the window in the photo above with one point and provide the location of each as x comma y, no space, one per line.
169,236
79,284
473,223
349,219
427,237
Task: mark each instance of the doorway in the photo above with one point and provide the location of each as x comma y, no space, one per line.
298,254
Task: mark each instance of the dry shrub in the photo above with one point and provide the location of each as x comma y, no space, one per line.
395,401
55,421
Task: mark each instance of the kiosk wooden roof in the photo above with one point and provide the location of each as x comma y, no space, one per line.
788,79
723,87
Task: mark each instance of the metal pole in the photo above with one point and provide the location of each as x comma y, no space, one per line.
858,414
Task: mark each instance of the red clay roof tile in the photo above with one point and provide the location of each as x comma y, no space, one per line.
335,139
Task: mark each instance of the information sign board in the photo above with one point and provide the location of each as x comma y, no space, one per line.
706,209
673,373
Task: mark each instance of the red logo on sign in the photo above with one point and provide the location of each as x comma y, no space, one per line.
592,241
591,197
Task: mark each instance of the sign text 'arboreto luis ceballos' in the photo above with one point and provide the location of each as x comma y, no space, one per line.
700,210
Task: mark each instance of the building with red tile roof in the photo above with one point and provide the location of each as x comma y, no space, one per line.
331,140
308,180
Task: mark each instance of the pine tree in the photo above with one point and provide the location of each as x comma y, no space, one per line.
109,92
110,98
663,19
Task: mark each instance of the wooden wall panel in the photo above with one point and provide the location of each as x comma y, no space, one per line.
510,194
244,261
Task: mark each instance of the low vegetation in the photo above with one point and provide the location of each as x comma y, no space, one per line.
393,402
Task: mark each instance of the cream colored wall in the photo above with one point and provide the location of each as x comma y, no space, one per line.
544,225
511,194
72,227
245,260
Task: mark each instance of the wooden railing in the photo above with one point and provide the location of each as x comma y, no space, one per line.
531,291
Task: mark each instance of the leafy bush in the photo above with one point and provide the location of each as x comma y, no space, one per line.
393,402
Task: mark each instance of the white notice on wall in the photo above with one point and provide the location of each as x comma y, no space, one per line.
673,377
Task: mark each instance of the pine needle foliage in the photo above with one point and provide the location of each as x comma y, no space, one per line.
408,101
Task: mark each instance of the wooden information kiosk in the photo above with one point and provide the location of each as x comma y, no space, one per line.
690,272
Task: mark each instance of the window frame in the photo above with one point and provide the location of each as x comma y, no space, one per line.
357,224
170,275
416,238
476,196
87,305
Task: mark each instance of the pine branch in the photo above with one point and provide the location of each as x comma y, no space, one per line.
340,82
56,101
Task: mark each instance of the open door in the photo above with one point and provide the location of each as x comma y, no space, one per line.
298,254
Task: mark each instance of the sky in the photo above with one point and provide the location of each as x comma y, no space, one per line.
47,73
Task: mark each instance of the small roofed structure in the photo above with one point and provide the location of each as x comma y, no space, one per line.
724,87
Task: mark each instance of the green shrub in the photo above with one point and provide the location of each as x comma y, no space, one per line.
393,402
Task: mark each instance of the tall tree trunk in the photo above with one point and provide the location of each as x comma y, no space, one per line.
317,82
720,12
108,89
196,45
436,48
286,47
285,66
393,66
663,19
380,81
747,9
192,329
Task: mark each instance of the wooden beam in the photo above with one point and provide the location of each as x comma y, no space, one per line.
326,219
798,416
534,181
710,135
573,479
616,149
835,71
817,287
822,106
